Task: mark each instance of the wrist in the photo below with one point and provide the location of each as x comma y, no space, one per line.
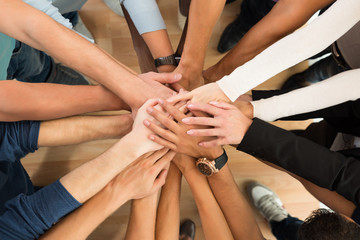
114,196
214,153
246,123
192,66
166,68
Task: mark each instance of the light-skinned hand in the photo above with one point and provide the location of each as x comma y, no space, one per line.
172,132
154,88
228,123
139,133
204,94
144,176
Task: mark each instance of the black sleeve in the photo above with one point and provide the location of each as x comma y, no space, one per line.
319,165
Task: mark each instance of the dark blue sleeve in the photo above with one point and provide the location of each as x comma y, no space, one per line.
17,139
28,217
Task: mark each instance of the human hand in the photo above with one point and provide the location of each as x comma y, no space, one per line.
191,77
203,94
212,74
154,87
144,176
228,123
174,136
244,105
186,164
140,133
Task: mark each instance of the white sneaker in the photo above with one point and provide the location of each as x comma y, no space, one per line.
114,5
267,202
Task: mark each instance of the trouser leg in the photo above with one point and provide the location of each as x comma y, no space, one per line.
28,64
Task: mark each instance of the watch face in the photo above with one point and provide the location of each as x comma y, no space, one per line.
204,168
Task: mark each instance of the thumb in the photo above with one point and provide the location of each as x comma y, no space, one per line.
167,77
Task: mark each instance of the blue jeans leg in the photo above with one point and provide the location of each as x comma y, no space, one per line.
28,64
286,229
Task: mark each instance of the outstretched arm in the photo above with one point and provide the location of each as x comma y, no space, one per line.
127,185
202,17
44,101
168,212
283,54
32,28
292,49
234,205
209,210
308,99
285,17
80,129
142,218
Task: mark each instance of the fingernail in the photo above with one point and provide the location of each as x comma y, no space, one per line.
150,109
190,132
146,122
201,144
214,102
177,76
161,102
185,120
152,137
190,105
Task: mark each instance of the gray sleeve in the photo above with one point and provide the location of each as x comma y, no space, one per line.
66,6
145,15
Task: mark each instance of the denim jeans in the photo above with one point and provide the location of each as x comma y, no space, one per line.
286,229
31,65
28,64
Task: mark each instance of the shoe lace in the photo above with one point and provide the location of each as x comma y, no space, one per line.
271,209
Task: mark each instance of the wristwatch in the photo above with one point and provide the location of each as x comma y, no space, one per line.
209,167
168,60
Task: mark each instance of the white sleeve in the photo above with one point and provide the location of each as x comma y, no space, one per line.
292,49
145,14
46,7
338,89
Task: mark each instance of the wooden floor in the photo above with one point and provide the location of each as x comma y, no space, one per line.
111,33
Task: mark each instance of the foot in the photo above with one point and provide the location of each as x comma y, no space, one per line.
187,230
64,75
267,202
231,35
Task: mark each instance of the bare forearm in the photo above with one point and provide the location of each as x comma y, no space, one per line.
80,129
68,47
43,101
285,17
234,205
168,213
88,179
142,219
160,46
209,210
203,15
